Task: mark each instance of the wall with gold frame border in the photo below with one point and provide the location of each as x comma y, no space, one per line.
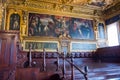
23,10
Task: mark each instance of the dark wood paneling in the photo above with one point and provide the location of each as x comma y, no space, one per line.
3,47
107,54
22,56
8,54
0,45
27,74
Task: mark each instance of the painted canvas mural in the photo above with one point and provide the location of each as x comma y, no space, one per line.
54,26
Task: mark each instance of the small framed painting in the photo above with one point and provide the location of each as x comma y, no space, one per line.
14,22
101,31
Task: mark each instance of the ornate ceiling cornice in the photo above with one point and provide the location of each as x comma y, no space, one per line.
112,11
54,7
62,7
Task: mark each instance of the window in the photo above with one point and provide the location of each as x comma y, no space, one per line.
112,32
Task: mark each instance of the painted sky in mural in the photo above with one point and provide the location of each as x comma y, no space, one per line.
54,26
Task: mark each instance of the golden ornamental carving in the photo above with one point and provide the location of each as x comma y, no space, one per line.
58,7
53,7
23,30
1,14
24,25
42,5
112,11
66,1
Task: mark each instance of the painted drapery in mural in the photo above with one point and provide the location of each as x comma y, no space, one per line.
54,26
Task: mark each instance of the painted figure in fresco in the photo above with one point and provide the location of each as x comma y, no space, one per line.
58,25
101,30
14,22
35,28
85,31
80,30
48,26
75,29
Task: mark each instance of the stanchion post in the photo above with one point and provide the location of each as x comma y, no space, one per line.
64,68
72,69
86,71
44,60
57,60
30,55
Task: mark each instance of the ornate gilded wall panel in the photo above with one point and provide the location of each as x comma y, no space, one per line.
67,9
15,12
2,16
27,7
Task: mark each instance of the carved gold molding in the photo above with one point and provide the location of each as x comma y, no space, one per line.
54,8
114,10
1,15
58,7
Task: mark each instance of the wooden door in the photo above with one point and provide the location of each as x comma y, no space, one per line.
8,49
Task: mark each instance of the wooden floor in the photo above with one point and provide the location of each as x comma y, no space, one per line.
96,70
101,71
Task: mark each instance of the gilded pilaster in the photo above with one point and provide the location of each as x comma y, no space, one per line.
1,10
24,23
2,16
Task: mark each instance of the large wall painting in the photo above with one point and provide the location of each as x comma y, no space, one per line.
54,26
15,22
